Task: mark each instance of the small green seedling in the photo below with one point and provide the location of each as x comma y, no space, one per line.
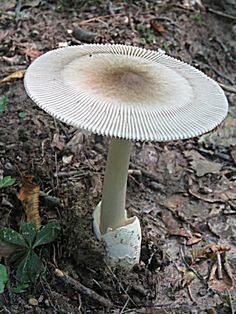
3,104
166,46
22,114
28,264
6,181
20,288
3,277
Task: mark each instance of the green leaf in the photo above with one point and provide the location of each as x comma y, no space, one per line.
47,234
20,288
29,268
3,104
3,277
6,181
22,114
17,255
28,231
11,236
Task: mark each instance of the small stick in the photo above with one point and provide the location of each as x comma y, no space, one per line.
227,88
190,294
82,289
69,173
228,16
219,266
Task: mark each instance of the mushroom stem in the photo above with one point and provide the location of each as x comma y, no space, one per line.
113,213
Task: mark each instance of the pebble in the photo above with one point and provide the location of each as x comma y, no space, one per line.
33,301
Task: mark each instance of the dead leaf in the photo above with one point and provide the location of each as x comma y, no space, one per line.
7,5
209,252
29,196
170,222
180,233
96,183
227,193
32,53
157,27
149,157
188,277
228,271
58,142
174,201
220,285
76,143
224,135
196,238
15,60
200,164
16,75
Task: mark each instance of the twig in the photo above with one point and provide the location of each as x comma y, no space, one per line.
228,16
82,289
161,18
99,18
122,288
219,73
219,266
227,88
191,295
94,19
145,172
230,302
70,173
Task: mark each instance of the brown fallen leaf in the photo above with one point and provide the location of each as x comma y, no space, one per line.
200,164
157,27
196,238
226,193
58,142
224,135
180,233
32,53
220,285
16,75
228,270
76,143
188,277
29,196
191,239
209,251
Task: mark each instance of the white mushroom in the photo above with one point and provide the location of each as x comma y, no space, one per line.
127,93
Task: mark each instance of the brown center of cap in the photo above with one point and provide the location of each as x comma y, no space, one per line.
128,80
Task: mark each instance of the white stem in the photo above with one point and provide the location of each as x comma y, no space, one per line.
114,188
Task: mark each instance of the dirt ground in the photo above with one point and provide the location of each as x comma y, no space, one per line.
184,192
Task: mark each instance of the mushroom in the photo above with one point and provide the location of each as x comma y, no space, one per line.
126,93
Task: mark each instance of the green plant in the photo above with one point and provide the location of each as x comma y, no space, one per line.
28,264
3,104
3,277
20,288
6,181
198,19
166,46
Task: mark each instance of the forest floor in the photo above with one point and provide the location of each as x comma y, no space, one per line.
184,192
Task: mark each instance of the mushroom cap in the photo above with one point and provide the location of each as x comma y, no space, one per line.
126,92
